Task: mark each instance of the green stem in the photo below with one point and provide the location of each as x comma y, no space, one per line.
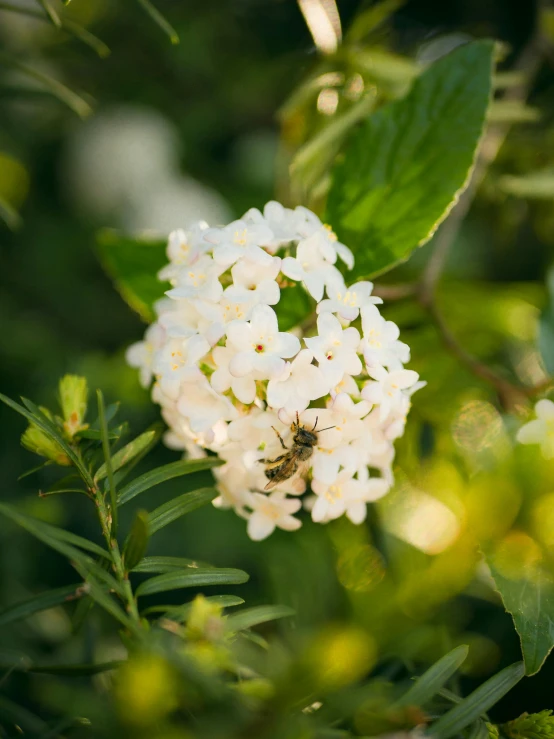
108,460
105,516
106,523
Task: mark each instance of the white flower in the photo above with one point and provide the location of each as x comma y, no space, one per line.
282,222
239,239
346,385
345,416
310,268
182,247
218,315
255,435
541,430
329,457
332,498
259,344
244,388
141,354
234,487
300,383
386,391
335,348
181,320
270,511
380,345
347,301
254,283
199,279
310,225
223,382
346,495
177,361
202,406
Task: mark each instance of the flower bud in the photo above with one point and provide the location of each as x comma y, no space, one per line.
36,441
73,393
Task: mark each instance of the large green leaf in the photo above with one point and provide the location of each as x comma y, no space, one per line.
174,509
166,472
192,579
133,264
406,165
530,601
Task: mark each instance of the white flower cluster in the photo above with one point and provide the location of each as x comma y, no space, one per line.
227,379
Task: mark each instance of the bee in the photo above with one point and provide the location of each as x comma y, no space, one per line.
288,464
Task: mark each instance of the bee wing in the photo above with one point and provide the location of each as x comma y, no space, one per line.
289,470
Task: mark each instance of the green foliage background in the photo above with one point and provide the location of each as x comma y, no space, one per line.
237,64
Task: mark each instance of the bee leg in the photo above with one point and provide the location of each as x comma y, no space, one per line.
280,438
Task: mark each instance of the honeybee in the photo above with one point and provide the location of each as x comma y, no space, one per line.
288,464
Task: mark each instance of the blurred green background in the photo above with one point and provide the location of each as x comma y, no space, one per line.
180,132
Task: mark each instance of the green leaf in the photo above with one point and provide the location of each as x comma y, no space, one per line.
98,593
12,713
180,613
66,96
195,579
68,670
70,26
41,602
47,533
477,703
37,418
69,483
96,577
137,541
178,507
9,215
428,685
406,165
535,185
160,565
530,601
62,541
257,615
129,451
167,472
123,472
133,265
159,19
51,13
95,435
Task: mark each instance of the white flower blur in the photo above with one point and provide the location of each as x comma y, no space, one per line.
541,430
230,382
